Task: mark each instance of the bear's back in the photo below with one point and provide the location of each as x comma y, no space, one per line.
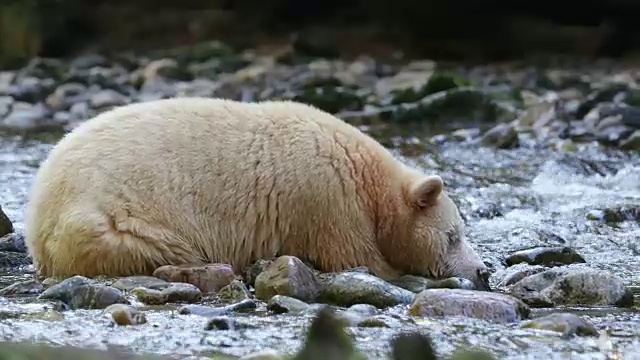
198,161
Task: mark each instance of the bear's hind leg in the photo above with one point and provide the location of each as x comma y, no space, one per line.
94,243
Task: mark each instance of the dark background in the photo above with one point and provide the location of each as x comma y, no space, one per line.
467,30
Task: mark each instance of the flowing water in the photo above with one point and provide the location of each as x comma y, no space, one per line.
511,199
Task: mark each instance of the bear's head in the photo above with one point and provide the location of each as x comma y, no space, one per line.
433,229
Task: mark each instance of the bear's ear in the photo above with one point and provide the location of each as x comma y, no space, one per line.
426,191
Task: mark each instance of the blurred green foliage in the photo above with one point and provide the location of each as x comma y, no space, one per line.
29,27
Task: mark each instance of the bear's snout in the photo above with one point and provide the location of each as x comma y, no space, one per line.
482,279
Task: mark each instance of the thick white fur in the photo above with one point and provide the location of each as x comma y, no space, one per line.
194,180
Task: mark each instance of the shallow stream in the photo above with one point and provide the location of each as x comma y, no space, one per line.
511,199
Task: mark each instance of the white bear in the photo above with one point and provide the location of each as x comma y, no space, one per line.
198,180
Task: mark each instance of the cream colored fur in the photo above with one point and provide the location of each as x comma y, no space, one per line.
192,181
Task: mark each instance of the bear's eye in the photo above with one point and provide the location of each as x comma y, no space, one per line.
453,237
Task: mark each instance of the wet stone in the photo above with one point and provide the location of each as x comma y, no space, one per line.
13,260
208,278
288,276
106,99
27,287
66,95
125,315
615,214
173,293
50,281
220,323
208,311
372,322
266,354
235,291
149,296
515,273
79,292
6,103
280,304
363,309
131,282
350,288
502,136
632,142
496,307
547,256
182,292
629,115
45,315
13,242
416,284
29,118
6,227
565,323
572,285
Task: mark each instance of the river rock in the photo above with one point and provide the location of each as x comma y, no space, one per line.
632,142
30,118
164,68
125,315
266,354
149,296
208,311
280,304
363,309
572,285
615,214
131,282
410,79
502,136
220,323
27,287
416,284
288,276
236,291
208,278
6,227
350,288
6,103
108,98
79,292
566,323
30,90
629,115
517,272
496,307
13,242
362,321
547,256
182,292
250,273
50,281
13,260
66,95
174,293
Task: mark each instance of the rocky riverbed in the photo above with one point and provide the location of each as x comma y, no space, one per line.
543,163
